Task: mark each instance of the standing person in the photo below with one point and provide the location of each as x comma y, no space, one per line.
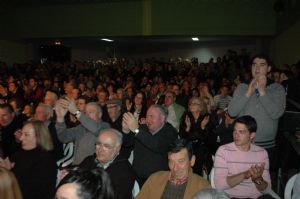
151,141
262,99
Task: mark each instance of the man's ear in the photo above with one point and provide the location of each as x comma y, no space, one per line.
252,135
269,69
192,161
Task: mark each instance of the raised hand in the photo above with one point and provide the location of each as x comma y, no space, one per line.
6,163
60,110
130,121
261,84
204,122
251,88
187,123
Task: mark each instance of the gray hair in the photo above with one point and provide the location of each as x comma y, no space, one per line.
116,132
211,194
48,109
97,106
163,110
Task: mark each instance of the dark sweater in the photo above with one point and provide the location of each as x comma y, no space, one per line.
121,174
36,173
150,151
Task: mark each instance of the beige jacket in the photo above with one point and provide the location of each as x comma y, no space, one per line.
156,183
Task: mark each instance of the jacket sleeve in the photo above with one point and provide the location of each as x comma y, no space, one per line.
65,134
91,125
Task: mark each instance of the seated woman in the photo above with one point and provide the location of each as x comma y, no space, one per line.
85,184
9,187
34,165
195,127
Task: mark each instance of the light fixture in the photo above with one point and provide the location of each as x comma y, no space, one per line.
108,40
195,38
57,42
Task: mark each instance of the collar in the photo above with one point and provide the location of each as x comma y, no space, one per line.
104,166
177,182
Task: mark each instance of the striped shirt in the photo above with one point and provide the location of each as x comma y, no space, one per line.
231,161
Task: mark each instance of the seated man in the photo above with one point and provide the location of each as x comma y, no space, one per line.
180,181
242,168
107,156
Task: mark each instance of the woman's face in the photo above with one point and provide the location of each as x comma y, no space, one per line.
194,105
67,191
28,137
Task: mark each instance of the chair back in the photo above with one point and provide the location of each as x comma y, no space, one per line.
289,187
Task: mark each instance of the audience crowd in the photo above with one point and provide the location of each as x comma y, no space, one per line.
154,123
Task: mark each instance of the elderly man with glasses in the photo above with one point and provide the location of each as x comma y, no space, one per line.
108,147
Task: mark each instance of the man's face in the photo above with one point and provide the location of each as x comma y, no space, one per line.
179,164
176,89
169,99
107,147
12,87
154,119
241,135
113,110
102,97
260,67
6,117
32,83
91,112
49,99
41,114
81,104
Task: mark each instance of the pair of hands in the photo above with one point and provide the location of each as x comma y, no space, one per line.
204,122
129,122
259,83
255,172
6,163
62,106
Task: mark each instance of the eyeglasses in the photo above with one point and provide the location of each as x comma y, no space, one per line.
104,146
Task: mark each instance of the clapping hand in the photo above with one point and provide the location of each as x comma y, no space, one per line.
6,163
129,122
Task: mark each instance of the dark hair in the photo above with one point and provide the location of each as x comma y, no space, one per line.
93,184
180,144
8,107
248,121
262,56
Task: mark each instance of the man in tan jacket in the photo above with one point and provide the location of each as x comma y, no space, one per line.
180,182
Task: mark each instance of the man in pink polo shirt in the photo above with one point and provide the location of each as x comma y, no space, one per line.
242,168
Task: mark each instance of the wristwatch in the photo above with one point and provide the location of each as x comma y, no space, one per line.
136,131
259,181
77,114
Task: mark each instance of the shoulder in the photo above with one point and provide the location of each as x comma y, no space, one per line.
159,175
200,181
258,149
277,87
